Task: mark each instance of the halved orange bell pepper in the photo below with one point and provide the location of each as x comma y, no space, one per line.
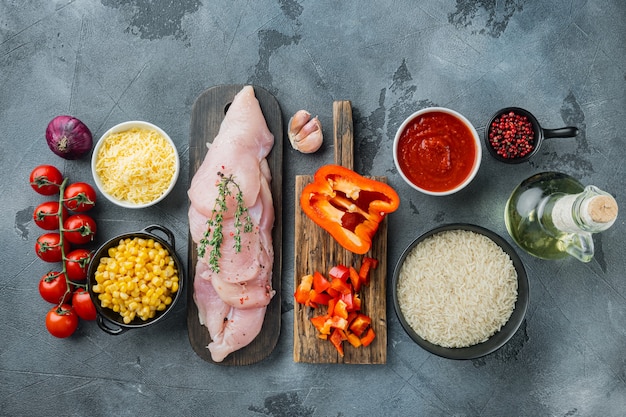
348,206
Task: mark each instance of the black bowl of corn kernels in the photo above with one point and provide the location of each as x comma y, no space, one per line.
135,279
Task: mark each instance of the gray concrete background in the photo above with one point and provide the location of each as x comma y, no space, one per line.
107,61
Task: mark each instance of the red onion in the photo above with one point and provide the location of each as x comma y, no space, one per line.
68,137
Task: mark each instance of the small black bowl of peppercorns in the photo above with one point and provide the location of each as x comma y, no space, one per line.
514,135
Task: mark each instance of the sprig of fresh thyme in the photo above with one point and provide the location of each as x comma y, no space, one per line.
213,236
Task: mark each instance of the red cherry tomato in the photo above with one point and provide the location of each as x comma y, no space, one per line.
46,179
79,196
48,247
46,215
79,229
53,287
83,306
61,321
77,264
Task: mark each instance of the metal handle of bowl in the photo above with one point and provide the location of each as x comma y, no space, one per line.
167,232
103,325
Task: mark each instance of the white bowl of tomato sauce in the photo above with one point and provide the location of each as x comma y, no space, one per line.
437,151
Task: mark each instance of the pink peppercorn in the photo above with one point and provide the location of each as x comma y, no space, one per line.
511,135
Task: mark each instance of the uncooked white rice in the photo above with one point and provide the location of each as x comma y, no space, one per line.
456,288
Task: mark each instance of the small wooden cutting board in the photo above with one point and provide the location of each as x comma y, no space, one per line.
207,114
316,250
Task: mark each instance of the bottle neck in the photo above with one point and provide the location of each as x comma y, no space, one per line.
592,211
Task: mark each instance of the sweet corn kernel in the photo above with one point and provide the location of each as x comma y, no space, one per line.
138,279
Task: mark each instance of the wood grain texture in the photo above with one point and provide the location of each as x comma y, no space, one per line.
316,250
343,133
207,114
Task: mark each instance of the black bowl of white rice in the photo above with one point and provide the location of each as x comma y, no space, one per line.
460,291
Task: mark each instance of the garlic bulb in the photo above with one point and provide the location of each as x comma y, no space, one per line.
305,133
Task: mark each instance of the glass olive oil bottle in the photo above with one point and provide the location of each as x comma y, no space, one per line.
551,216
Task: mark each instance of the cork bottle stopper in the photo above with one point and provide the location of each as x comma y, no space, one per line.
602,209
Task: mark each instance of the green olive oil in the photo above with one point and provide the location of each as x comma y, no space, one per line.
551,216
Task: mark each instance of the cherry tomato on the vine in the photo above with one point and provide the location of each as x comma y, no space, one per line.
46,179
46,215
79,197
79,229
61,321
48,247
83,306
77,264
53,287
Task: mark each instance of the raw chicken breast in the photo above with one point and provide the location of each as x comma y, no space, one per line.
232,302
230,328
212,311
240,146
241,327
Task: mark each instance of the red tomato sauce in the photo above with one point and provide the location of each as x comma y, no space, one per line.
436,151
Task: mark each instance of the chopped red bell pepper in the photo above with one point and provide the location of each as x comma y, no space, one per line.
321,323
337,338
340,286
360,323
351,301
368,338
343,319
355,279
351,316
353,339
372,261
333,292
348,206
341,309
331,303
320,283
338,323
339,272
303,290
318,298
364,271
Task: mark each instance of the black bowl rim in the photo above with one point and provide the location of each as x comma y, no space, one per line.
497,340
538,130
110,315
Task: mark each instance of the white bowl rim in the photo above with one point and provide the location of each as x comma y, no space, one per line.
477,142
120,127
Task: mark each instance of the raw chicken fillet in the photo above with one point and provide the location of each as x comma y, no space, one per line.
232,302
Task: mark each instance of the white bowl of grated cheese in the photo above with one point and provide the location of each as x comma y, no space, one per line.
135,164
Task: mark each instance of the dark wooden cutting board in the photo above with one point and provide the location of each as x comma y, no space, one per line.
316,250
207,114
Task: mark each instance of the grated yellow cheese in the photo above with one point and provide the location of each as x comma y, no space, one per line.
136,165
